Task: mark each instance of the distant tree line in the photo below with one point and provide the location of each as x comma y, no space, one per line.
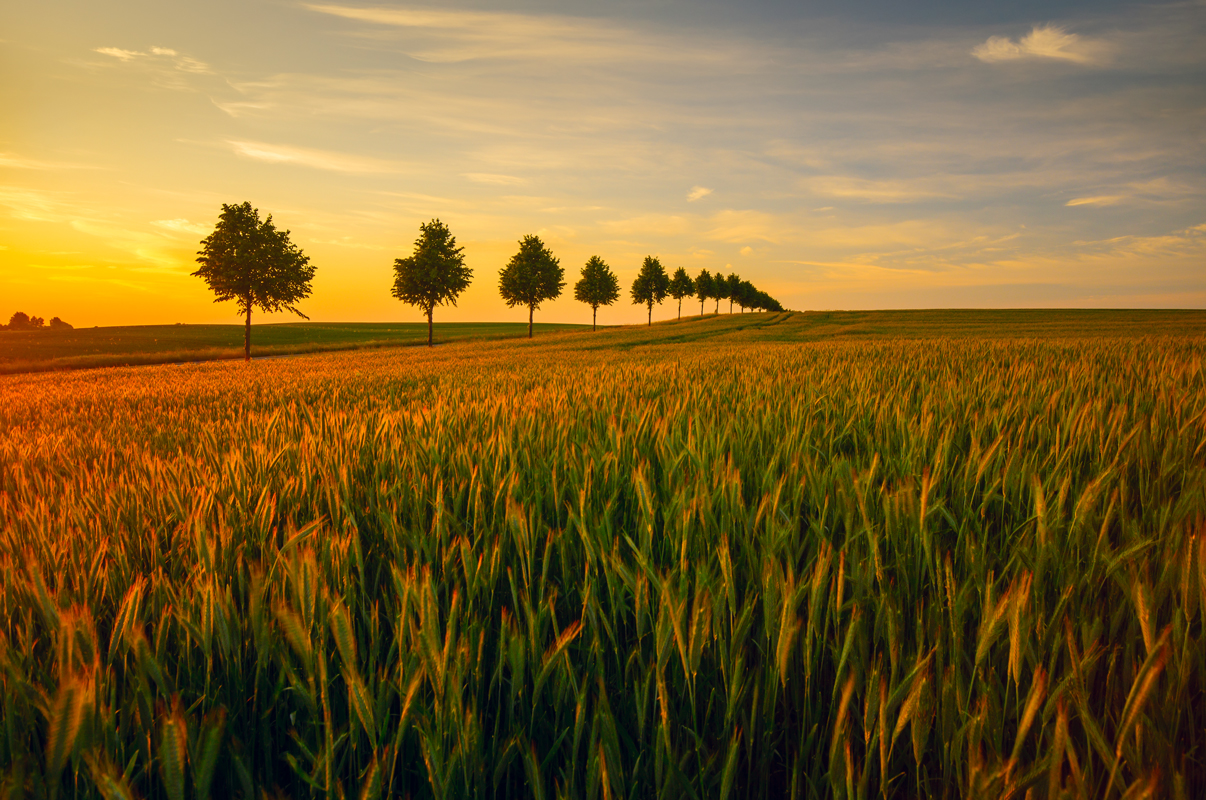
253,263
20,321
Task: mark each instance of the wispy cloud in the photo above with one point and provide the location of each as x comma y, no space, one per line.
1043,42
1100,200
872,191
493,179
307,157
158,55
182,226
14,161
449,36
697,193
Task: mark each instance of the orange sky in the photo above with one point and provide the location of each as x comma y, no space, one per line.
835,161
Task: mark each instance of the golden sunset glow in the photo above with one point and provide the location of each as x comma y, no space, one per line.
838,159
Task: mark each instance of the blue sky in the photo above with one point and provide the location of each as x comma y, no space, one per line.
838,155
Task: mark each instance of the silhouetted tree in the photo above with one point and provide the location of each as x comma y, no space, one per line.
20,321
681,286
703,288
57,324
435,274
598,286
532,276
254,264
651,285
731,286
747,295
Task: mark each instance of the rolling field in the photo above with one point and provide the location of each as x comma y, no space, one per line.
42,350
764,556
45,350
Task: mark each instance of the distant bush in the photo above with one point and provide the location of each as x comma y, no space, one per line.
57,324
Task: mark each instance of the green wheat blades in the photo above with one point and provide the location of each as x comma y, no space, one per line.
861,569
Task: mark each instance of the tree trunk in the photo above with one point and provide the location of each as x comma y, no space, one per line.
717,305
701,302
680,308
531,312
247,336
730,306
594,318
429,327
651,313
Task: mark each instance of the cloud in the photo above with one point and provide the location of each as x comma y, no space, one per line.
157,56
870,191
14,161
318,159
492,179
697,192
118,53
182,226
1045,41
739,226
1103,200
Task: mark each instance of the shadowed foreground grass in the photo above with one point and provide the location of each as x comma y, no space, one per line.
958,567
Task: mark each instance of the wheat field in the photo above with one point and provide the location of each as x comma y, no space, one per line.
880,568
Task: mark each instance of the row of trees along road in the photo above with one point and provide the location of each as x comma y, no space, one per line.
251,262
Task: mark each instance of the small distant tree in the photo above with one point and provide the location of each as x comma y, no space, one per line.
254,264
651,285
681,286
436,274
19,321
703,288
57,324
598,286
532,276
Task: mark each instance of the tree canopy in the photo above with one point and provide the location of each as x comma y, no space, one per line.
598,286
253,263
732,285
681,286
436,274
703,288
651,284
532,276
20,321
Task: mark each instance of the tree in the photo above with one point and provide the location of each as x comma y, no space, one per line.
651,285
57,324
532,276
254,264
435,274
703,288
598,286
731,286
681,286
747,295
20,321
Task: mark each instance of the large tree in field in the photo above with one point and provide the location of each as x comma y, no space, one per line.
703,288
435,274
598,286
651,285
532,276
681,286
254,264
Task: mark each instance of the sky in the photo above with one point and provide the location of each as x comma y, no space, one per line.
839,155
